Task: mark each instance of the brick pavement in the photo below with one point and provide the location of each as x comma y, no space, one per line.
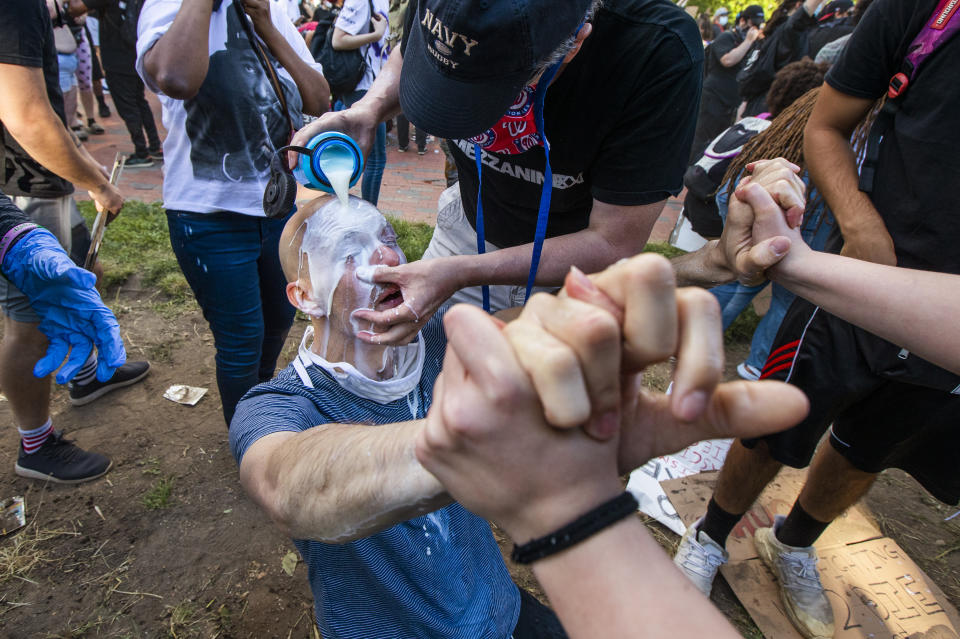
411,183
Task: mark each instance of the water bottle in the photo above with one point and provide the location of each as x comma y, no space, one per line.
334,157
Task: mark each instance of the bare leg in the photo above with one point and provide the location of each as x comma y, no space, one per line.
86,98
833,485
745,473
23,344
70,107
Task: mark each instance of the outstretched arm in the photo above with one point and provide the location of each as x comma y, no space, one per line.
340,482
913,309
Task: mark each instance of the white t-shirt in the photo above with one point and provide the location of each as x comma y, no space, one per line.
220,142
355,19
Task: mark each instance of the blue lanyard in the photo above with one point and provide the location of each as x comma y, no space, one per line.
543,214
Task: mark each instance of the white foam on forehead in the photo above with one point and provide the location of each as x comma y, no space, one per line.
334,233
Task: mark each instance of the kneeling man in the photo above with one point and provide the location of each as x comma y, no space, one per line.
327,449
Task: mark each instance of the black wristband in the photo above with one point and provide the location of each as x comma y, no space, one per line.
590,523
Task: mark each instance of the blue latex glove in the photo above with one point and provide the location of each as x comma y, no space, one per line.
73,317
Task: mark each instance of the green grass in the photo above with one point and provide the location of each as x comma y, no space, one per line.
413,237
138,242
159,495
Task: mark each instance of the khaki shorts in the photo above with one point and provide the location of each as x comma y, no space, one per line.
54,214
453,235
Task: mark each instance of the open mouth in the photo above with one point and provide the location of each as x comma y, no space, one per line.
390,298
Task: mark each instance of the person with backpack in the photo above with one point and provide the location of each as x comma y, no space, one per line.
118,54
784,41
363,26
723,59
234,79
884,406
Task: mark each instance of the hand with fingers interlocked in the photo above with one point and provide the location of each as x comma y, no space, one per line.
504,432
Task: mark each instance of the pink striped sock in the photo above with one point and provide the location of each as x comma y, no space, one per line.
33,439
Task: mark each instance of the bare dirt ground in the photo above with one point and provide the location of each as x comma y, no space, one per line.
167,545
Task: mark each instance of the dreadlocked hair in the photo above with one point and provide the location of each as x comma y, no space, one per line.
784,139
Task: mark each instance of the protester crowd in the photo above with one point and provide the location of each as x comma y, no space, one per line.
811,148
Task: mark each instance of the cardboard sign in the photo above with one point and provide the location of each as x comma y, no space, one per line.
689,497
645,481
876,590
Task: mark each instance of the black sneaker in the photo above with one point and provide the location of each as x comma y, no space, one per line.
61,461
157,153
104,110
138,162
129,373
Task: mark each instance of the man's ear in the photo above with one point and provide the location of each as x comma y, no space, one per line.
296,295
585,31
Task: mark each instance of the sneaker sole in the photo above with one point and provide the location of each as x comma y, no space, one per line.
138,166
33,474
766,552
86,399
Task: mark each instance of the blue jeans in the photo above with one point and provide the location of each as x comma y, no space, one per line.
734,297
232,263
376,161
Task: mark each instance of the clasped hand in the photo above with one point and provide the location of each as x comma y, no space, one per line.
533,422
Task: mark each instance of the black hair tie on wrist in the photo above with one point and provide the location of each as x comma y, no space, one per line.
590,523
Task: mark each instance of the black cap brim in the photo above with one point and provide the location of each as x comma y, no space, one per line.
446,107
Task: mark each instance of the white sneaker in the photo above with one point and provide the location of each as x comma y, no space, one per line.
700,557
802,593
748,372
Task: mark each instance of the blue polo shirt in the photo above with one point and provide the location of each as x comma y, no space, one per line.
440,575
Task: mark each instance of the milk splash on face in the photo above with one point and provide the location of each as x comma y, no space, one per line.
344,245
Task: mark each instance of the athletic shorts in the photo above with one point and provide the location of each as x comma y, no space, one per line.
884,407
54,214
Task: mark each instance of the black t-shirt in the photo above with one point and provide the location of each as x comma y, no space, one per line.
918,164
117,56
26,39
824,34
720,86
620,120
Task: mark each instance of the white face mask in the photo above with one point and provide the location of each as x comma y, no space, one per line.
407,363
722,21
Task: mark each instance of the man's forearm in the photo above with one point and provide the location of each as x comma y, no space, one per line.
614,583
735,55
383,96
706,267
833,170
340,482
45,139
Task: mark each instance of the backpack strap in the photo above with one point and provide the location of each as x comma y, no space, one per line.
942,26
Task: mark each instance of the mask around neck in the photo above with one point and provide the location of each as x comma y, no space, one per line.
407,368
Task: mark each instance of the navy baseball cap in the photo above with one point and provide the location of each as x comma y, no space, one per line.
465,61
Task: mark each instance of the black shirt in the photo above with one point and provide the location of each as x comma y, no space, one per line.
824,34
620,120
117,55
26,39
918,166
720,86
